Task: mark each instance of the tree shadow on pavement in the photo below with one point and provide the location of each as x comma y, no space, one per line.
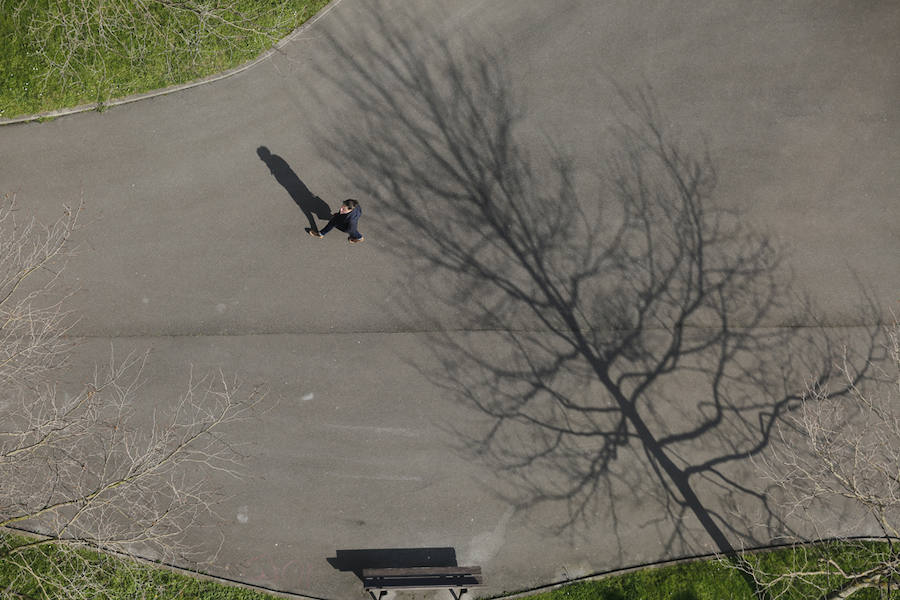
640,343
310,204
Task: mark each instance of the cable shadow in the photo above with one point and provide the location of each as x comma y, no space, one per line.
311,205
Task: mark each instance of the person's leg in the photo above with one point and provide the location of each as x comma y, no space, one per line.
355,235
324,230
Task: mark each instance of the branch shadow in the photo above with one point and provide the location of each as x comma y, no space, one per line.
306,201
642,342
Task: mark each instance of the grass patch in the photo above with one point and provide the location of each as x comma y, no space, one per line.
704,580
62,53
51,572
55,573
712,580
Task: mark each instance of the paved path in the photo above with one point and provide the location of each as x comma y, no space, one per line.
194,249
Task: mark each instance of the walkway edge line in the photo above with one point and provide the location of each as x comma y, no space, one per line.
62,112
658,564
156,564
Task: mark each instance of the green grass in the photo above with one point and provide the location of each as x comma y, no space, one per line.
712,580
693,581
45,65
66,574
106,577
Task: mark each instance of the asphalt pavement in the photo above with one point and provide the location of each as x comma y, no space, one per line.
193,246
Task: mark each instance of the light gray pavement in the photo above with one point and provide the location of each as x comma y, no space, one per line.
191,248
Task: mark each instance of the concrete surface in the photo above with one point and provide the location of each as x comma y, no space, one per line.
193,249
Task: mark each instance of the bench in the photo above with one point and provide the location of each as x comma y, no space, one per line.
457,579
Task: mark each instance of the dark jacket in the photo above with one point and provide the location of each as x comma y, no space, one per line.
348,223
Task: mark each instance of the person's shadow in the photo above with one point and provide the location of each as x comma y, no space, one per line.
310,204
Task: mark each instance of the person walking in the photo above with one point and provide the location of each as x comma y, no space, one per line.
346,219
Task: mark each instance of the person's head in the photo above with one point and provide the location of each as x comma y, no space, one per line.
348,205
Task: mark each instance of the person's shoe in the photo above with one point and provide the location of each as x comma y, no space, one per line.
314,234
356,240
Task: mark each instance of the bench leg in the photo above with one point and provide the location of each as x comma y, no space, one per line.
459,595
381,594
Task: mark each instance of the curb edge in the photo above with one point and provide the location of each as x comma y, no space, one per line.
62,112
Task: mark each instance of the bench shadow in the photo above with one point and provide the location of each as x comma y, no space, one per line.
311,205
391,558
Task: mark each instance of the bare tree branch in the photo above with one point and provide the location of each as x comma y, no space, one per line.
94,469
843,450
78,41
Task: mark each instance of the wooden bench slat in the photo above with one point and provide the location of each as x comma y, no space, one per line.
420,586
421,578
420,571
430,588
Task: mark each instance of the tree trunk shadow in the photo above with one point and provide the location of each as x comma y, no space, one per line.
648,319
